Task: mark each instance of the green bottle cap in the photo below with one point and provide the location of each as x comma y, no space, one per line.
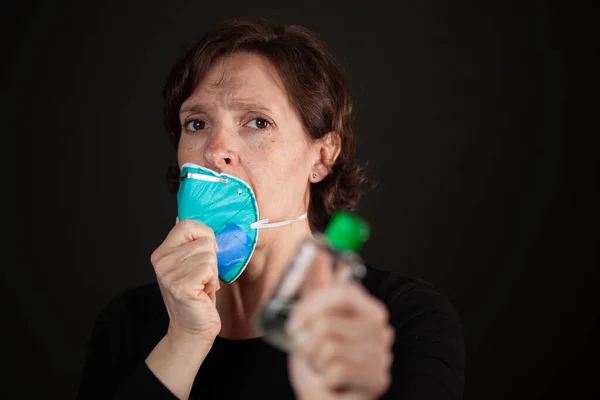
347,231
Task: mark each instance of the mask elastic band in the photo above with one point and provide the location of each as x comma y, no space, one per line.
264,223
206,178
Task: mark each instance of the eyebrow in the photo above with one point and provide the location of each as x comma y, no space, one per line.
236,105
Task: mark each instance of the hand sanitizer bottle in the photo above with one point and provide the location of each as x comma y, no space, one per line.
319,261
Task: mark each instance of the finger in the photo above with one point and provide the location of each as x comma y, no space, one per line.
200,245
340,298
323,351
201,278
348,328
348,377
211,286
187,265
352,395
168,258
186,231
351,367
206,261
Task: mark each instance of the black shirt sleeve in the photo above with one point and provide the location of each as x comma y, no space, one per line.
429,346
114,368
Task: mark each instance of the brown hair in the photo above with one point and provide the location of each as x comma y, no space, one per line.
316,87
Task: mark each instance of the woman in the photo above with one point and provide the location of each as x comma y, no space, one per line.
269,105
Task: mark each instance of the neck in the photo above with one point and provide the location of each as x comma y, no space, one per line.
239,301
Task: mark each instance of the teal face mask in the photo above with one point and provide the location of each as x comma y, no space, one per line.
228,206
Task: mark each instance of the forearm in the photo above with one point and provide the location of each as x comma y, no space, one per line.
175,362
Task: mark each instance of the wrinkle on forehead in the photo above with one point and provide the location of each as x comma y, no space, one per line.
223,80
232,79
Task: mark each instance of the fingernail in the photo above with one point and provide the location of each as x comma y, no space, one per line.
218,285
176,220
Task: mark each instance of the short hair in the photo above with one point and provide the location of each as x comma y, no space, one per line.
316,87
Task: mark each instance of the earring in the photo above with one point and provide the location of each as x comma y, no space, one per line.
314,176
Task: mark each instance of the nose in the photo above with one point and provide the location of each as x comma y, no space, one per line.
219,153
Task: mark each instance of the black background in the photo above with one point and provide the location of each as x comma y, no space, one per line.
470,115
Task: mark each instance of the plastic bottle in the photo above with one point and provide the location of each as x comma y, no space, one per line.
319,261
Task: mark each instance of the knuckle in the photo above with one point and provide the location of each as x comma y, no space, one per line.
210,233
187,224
162,263
211,259
195,280
199,228
388,361
178,288
205,241
205,269
328,354
155,257
342,295
158,266
390,335
196,275
163,279
382,310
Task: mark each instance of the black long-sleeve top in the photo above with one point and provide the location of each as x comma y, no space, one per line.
429,360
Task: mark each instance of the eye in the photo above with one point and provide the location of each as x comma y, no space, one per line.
259,123
195,125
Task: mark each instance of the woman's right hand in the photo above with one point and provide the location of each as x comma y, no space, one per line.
186,268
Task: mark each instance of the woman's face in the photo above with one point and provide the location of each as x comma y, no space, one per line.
239,121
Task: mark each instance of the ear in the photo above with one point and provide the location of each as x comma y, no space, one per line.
327,150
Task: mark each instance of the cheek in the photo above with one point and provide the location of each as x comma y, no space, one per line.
187,149
282,159
284,170
182,155
188,142
278,171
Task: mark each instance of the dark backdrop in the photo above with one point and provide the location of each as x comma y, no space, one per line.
467,113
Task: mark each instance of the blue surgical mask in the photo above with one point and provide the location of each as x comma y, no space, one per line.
228,206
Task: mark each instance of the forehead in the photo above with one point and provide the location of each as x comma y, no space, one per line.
242,75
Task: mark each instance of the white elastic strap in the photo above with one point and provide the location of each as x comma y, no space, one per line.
264,223
206,178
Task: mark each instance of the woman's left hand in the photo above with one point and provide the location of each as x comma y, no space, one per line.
342,344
